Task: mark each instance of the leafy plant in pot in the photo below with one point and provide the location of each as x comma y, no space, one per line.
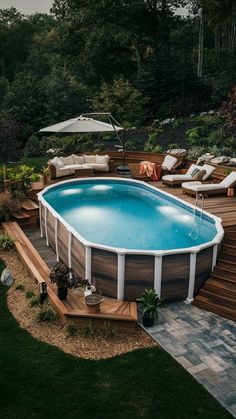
149,303
62,276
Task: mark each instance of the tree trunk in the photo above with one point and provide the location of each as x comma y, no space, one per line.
200,44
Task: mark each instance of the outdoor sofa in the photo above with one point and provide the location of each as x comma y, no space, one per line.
66,166
194,172
195,188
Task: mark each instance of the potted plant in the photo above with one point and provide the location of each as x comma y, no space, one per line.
149,303
46,174
63,278
36,182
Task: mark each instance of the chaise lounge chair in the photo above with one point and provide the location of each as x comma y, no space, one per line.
194,188
193,173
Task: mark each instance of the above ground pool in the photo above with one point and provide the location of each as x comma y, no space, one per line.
126,233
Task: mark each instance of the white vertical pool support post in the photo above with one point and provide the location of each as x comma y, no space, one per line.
88,263
158,275
69,249
192,273
214,256
120,277
56,238
46,224
40,219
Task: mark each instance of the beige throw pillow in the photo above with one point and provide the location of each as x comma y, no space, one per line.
102,159
78,159
89,159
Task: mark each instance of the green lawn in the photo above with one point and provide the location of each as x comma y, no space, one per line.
39,381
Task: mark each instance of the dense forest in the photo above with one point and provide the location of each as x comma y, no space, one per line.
138,59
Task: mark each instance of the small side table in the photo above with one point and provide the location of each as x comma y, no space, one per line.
83,172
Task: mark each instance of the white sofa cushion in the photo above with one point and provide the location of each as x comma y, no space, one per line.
89,159
78,159
169,162
100,167
67,160
102,159
57,162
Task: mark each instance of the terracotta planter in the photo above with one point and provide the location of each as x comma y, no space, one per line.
230,192
36,186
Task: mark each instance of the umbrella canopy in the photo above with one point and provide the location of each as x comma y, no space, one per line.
82,124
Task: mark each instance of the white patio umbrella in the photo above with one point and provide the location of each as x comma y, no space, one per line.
84,123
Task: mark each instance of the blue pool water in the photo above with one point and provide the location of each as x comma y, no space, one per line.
128,215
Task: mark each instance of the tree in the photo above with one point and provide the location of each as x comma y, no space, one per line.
124,102
10,144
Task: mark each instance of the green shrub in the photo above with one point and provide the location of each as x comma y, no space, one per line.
71,330
100,147
196,152
47,316
6,243
8,205
29,294
171,146
34,301
20,287
130,145
193,136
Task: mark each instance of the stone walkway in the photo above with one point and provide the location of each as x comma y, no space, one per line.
204,344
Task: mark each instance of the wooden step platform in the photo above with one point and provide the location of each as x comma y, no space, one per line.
219,292
28,215
121,315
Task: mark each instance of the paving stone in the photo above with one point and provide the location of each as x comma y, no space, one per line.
204,344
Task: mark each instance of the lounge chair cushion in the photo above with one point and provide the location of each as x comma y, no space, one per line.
171,178
78,159
89,159
67,160
209,170
229,181
169,162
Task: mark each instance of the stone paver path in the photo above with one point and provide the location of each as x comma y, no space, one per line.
204,344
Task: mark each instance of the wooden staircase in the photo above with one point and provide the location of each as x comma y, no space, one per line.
28,215
219,291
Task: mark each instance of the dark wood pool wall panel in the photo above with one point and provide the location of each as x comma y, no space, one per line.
139,274
51,230
175,277
104,269
203,267
78,257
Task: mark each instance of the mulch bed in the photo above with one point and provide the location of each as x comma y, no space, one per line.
56,333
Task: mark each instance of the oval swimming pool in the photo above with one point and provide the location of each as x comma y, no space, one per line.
122,226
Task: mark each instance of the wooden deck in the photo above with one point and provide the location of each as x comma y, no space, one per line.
121,315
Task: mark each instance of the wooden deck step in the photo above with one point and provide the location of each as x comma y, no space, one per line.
20,215
29,205
210,305
219,292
